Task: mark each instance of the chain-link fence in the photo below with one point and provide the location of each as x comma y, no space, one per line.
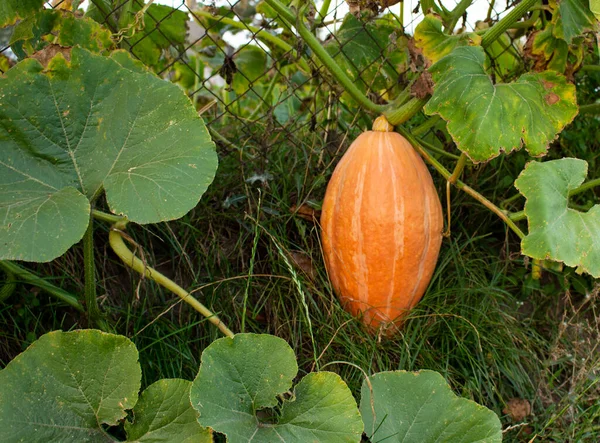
255,82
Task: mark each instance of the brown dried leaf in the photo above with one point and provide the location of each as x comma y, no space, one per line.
517,408
423,86
45,55
417,60
304,262
306,212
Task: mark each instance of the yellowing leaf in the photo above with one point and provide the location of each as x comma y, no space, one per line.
572,18
430,38
485,119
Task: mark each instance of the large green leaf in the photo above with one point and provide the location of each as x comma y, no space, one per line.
435,44
557,232
367,53
420,407
240,380
573,18
13,10
59,27
164,27
485,119
164,413
73,130
66,385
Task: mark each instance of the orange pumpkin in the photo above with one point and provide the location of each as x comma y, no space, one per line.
381,227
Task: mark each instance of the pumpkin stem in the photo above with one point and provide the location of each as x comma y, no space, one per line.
382,125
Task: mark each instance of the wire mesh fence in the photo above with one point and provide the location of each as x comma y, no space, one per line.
254,81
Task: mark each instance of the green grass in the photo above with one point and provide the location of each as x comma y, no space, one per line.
491,331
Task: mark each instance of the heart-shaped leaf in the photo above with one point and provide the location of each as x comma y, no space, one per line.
13,10
435,44
573,18
164,413
557,232
420,407
66,385
485,119
73,130
238,385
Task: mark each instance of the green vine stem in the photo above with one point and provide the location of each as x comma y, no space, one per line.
397,116
458,169
529,22
426,5
115,238
9,286
323,12
517,216
590,68
593,108
509,200
457,13
426,125
313,43
28,277
110,218
506,22
585,186
260,33
432,148
459,184
89,266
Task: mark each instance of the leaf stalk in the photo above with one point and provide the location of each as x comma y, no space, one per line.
29,277
459,184
115,238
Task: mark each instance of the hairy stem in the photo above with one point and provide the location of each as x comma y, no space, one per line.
28,277
313,43
397,116
512,17
115,238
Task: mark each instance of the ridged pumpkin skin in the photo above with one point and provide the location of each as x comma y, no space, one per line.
381,227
